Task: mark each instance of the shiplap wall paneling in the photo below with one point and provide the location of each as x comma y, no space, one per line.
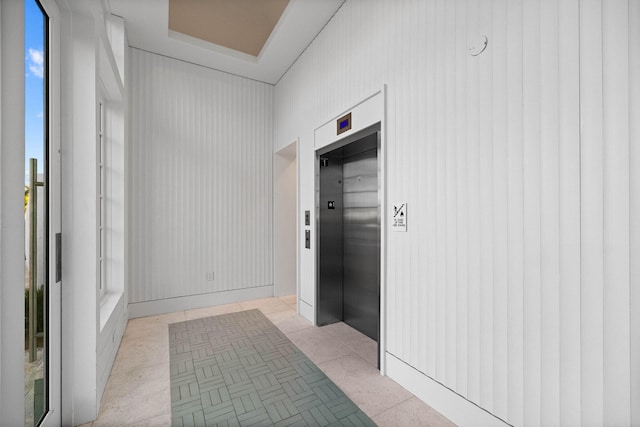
520,215
591,212
201,179
634,171
414,162
442,41
550,211
462,202
500,210
484,140
568,304
431,161
472,164
423,251
532,210
515,215
615,127
451,58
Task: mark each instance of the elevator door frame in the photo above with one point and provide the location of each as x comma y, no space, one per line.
377,127
334,261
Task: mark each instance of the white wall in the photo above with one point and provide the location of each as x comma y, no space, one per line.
200,165
79,298
11,212
113,306
92,326
634,204
516,284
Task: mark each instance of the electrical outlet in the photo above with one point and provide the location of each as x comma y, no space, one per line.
209,275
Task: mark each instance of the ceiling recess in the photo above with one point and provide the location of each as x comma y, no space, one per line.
241,25
293,25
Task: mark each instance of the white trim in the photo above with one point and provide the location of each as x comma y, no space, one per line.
366,113
450,404
306,310
298,223
79,294
101,196
11,213
331,122
108,303
383,231
169,305
108,342
54,416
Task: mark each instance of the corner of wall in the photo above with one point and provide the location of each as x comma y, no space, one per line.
11,214
91,342
78,225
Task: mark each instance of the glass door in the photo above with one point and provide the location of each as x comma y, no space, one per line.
41,216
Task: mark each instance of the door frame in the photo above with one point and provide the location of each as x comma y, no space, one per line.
364,115
12,176
12,242
54,336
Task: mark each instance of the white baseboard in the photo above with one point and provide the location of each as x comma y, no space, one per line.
168,305
450,404
306,311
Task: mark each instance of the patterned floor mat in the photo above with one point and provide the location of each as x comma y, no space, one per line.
239,369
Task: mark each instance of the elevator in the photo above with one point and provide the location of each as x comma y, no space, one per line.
348,207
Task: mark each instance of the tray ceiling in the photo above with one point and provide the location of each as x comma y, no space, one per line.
257,39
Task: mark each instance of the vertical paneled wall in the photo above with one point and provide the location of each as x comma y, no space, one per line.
516,284
605,246
634,204
200,180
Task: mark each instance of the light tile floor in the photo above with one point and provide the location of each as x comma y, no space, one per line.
138,390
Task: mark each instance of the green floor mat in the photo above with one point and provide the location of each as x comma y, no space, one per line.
239,369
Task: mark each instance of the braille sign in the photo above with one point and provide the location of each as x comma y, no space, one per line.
399,217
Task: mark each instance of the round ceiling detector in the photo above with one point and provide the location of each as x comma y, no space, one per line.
478,46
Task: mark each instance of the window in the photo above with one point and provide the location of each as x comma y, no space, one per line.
102,217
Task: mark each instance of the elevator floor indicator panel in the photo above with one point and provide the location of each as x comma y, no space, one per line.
343,124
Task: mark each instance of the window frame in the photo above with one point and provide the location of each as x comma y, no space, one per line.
101,197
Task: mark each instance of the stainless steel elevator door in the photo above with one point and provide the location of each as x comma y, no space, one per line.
349,236
330,240
361,237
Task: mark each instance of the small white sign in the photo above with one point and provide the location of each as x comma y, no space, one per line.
399,217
